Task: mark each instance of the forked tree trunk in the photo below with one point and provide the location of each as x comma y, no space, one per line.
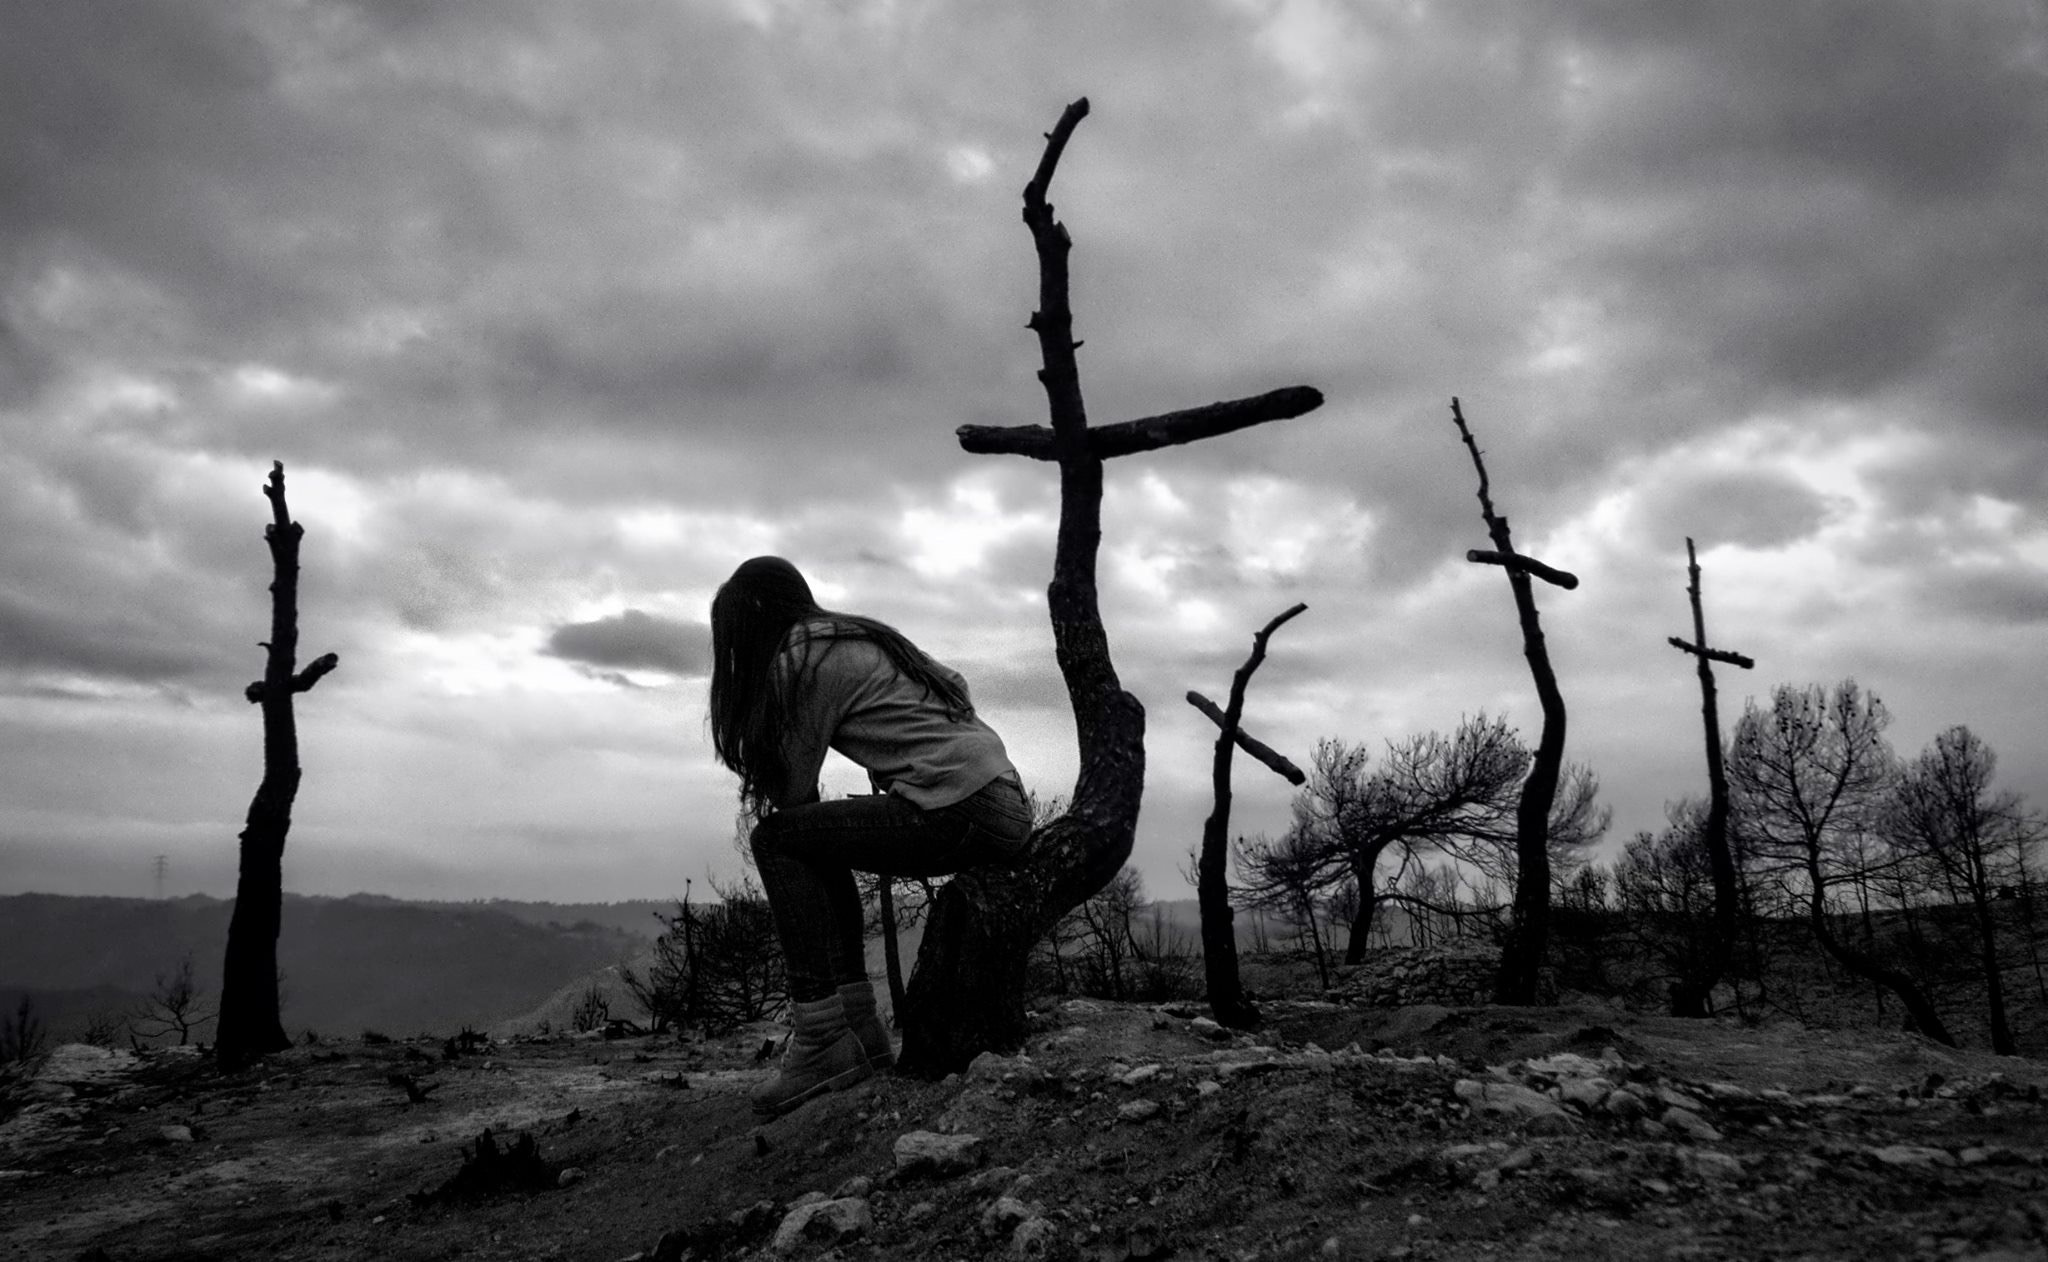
1219,935
967,993
1528,937
250,1026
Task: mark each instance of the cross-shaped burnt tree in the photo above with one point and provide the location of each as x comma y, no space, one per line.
1689,994
1522,955
249,1023
967,993
1212,889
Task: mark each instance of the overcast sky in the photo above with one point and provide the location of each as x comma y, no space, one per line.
555,313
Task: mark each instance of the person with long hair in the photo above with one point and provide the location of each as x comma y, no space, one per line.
789,681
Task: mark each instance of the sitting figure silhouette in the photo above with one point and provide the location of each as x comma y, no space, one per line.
790,680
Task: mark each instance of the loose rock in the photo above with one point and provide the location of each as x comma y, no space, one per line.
829,1222
940,1156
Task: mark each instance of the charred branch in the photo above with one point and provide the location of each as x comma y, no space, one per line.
1250,744
1526,565
1712,655
1148,433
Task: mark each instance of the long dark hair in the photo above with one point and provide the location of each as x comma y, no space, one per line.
765,607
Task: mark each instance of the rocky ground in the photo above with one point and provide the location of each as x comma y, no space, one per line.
1123,1133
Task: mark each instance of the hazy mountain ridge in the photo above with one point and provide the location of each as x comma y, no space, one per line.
348,964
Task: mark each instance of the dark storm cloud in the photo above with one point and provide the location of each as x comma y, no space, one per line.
1760,509
636,640
2006,596
574,307
128,647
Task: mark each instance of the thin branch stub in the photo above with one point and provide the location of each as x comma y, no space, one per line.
301,682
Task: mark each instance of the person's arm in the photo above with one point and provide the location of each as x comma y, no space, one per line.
813,717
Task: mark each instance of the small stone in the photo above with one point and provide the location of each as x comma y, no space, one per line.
1509,1099
1331,1247
1659,1186
925,1152
1912,1156
176,1134
1138,1110
1209,1029
1142,1074
1208,1087
1519,1159
987,1067
1691,1125
568,1175
1550,1124
1862,1091
1034,1238
1705,1164
1004,1214
1623,1103
858,1185
826,1223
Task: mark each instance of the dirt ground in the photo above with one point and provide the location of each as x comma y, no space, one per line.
1125,1133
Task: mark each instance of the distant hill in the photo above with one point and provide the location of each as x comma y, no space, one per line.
634,916
348,964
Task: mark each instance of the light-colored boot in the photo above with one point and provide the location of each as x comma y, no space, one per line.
866,1023
824,1055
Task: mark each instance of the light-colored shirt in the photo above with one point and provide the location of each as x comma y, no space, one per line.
854,700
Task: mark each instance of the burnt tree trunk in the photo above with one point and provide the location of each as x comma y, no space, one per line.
1689,995
1212,889
1528,936
249,1025
892,950
1362,917
1920,1011
966,994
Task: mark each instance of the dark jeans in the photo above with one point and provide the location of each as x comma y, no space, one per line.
807,856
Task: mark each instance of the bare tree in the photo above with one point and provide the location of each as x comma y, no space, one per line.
1944,813
250,1024
1528,936
1102,925
1807,777
716,966
1285,876
175,1003
21,1035
1665,884
1429,790
1454,795
967,994
1219,936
